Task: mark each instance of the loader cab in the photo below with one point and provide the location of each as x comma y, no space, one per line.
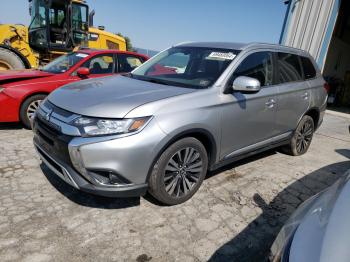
58,25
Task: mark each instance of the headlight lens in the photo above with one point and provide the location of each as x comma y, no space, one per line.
1,89
97,127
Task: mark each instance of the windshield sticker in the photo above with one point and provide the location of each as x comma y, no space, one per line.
221,56
82,55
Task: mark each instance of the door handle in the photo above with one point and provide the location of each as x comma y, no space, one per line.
305,95
270,103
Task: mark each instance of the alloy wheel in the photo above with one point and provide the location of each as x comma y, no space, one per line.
304,136
33,106
182,172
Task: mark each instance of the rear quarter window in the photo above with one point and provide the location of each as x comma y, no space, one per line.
308,67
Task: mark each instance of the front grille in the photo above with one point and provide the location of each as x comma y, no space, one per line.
51,162
57,110
52,140
48,126
46,138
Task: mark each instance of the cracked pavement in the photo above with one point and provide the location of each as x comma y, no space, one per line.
234,216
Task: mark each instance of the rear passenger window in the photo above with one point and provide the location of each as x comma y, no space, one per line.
308,67
102,64
289,68
258,66
127,63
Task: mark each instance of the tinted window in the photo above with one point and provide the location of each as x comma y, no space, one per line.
289,68
112,45
258,66
93,37
100,64
127,63
308,67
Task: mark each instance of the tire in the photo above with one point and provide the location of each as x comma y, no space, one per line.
10,61
28,107
302,137
174,180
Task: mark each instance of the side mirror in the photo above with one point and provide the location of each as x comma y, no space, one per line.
83,72
246,84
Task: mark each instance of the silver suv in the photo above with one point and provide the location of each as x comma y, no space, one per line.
192,108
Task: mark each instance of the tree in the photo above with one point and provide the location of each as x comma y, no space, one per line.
129,46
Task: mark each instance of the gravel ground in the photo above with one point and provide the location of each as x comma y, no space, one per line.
233,217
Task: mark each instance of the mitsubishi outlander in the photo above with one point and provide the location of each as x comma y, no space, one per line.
190,109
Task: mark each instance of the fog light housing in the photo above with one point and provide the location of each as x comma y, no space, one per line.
108,178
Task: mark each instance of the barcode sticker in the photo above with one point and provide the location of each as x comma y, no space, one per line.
221,56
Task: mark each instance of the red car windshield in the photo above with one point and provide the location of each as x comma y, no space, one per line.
64,63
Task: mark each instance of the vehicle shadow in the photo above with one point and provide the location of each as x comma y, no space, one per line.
9,126
215,172
253,242
241,162
85,199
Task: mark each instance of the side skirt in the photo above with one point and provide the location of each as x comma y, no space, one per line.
235,158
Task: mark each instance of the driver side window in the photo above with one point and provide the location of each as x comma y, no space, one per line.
259,66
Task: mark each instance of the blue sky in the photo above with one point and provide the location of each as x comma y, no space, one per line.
158,24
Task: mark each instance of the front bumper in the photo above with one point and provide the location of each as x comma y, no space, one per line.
73,178
112,166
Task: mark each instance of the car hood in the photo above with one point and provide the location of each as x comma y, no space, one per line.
324,232
111,97
17,75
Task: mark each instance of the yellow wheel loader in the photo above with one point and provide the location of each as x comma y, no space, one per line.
56,27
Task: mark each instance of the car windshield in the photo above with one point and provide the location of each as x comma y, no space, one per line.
194,67
63,63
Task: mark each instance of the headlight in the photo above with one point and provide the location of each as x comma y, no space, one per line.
1,89
97,127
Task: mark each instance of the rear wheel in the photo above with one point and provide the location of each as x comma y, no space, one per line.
179,171
302,137
29,107
10,61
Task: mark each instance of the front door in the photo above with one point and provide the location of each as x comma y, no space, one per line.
249,119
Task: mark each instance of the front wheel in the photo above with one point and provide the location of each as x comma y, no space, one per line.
302,137
179,171
28,108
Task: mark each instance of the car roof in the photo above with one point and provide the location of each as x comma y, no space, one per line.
242,46
224,45
92,51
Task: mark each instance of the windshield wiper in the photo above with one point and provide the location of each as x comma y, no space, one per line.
161,82
157,81
148,79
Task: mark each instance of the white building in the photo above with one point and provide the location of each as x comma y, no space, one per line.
322,27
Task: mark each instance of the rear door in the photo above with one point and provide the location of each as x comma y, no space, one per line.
101,65
127,62
293,92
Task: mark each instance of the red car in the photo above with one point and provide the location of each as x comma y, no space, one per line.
22,91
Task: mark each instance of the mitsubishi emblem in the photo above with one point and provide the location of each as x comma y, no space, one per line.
47,115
